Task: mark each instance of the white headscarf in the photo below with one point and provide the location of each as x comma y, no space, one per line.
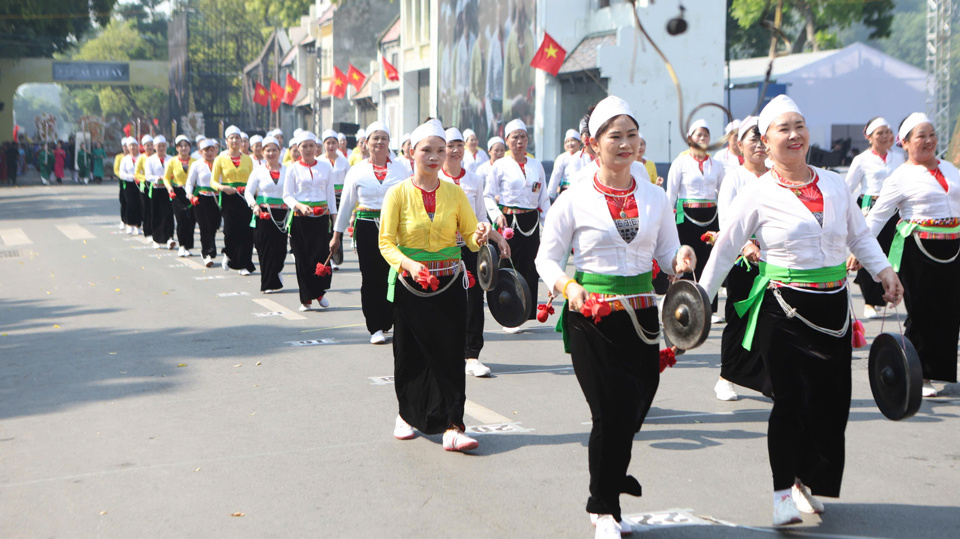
572,133
911,122
180,139
198,139
341,137
731,127
145,139
404,138
255,139
244,135
329,133
271,140
453,134
874,125
777,106
430,128
514,125
206,143
493,141
159,139
609,107
232,130
376,126
307,135
467,132
361,134
697,125
746,125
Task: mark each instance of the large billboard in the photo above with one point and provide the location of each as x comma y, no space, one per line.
484,76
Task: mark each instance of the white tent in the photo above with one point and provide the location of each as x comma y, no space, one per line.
838,91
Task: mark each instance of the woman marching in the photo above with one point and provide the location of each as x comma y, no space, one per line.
364,189
340,167
737,364
799,309
308,192
566,165
497,148
926,191
418,237
867,173
231,170
175,178
692,185
146,208
454,171
730,157
256,150
159,195
516,197
474,156
203,198
617,226
134,210
117,159
264,195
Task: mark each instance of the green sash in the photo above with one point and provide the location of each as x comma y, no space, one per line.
904,230
769,272
681,201
264,200
867,202
201,189
624,285
369,215
447,253
312,204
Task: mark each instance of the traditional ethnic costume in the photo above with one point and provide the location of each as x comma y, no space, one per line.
237,235
116,174
160,208
146,207
565,167
265,189
175,178
204,200
472,160
133,210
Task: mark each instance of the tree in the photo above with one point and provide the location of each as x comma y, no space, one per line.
272,13
41,28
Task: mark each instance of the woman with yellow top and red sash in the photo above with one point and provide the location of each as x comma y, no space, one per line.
799,310
174,178
231,170
692,186
204,199
264,195
418,237
617,226
924,250
146,207
308,192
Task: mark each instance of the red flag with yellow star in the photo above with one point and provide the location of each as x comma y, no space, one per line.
355,77
390,71
290,90
276,96
260,96
550,56
338,84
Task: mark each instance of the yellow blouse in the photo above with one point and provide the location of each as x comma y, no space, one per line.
226,175
404,221
651,171
175,174
116,165
138,171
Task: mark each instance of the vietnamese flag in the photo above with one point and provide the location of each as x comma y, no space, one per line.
290,90
127,128
338,84
276,95
549,56
390,71
260,96
355,77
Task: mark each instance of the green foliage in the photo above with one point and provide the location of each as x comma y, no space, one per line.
272,13
40,28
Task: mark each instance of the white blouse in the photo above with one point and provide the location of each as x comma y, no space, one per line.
687,182
128,167
340,168
728,159
472,162
261,183
362,189
153,168
565,168
484,171
914,191
526,188
788,233
473,186
309,184
868,171
733,183
581,219
199,176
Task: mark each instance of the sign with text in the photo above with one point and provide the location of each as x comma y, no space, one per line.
91,72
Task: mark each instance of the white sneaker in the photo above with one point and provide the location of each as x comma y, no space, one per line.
869,312
724,390
456,440
245,272
140,231
402,430
157,245
475,368
223,264
607,528
208,262
274,291
716,319
785,511
304,307
122,226
513,331
280,277
805,501
928,389
323,302
378,338
334,266
181,252
171,244
186,252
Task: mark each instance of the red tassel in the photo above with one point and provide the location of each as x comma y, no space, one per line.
195,201
426,280
173,195
544,310
472,281
350,231
507,233
667,358
859,336
240,190
317,210
323,270
595,307
656,269
264,214
709,238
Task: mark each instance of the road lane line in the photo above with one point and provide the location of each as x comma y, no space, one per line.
187,262
75,232
332,327
276,307
484,415
14,236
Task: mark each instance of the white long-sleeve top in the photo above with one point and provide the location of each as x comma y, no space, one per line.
473,186
733,183
260,183
516,187
728,159
788,233
309,184
868,171
340,168
362,189
199,176
687,182
153,168
914,191
128,167
565,167
472,162
484,171
581,219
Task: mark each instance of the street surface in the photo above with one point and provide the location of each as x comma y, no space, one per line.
142,395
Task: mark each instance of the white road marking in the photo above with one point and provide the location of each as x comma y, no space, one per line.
232,294
483,415
683,416
499,428
558,369
210,277
312,342
14,236
75,232
190,263
276,307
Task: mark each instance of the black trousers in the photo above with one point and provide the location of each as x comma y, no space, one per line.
134,208
475,315
690,233
619,375
271,243
810,374
523,251
737,364
377,310
871,290
162,213
237,234
428,356
186,221
207,214
123,202
931,293
310,240
146,208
